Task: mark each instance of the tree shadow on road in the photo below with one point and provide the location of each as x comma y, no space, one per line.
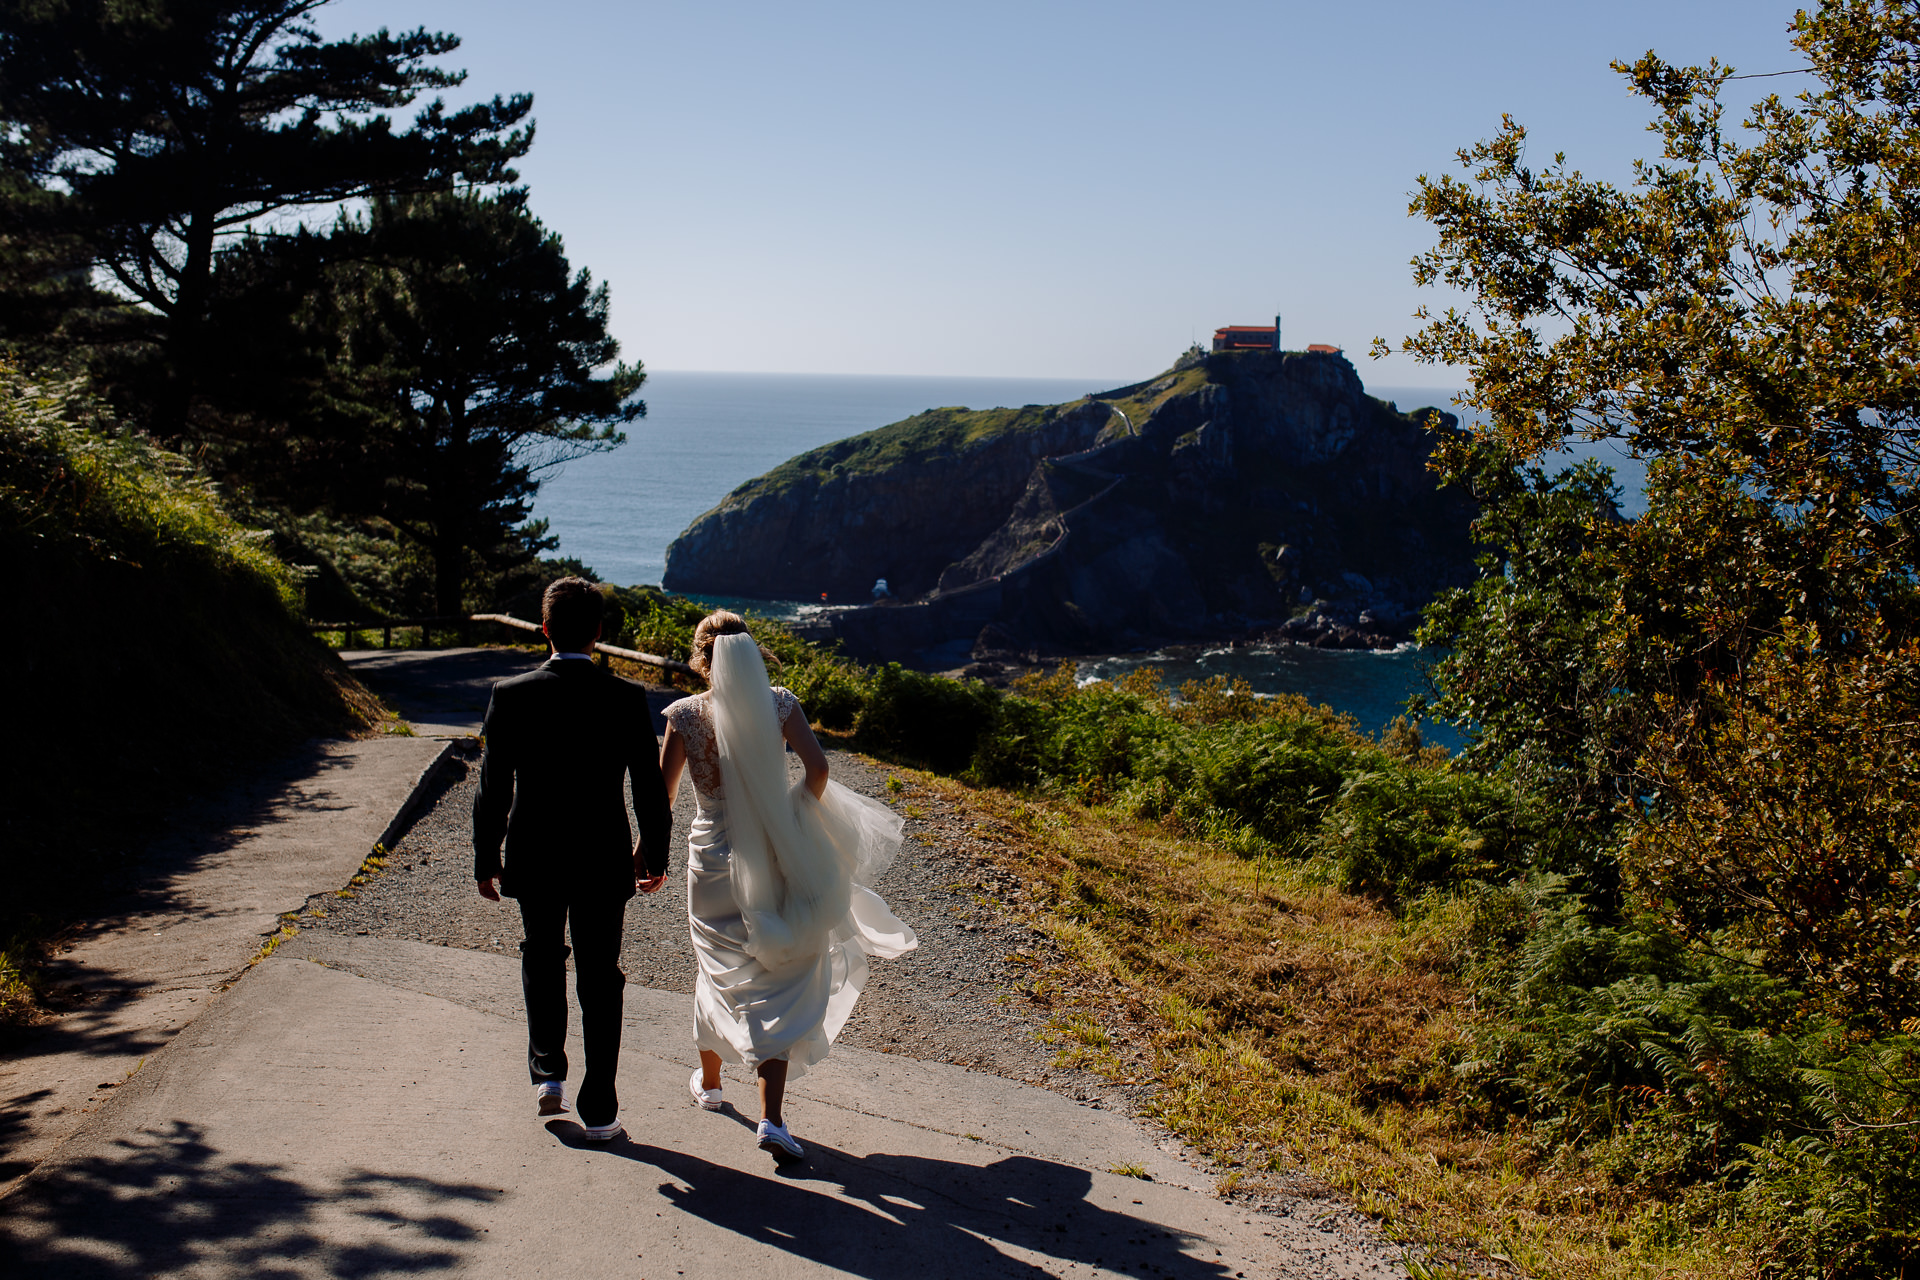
153,898
898,1217
15,1116
157,1203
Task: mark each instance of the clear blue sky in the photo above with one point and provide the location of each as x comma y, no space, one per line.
1050,188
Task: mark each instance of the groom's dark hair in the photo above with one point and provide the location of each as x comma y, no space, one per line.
571,611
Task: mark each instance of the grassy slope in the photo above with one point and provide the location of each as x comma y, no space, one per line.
924,435
1302,1036
158,649
940,431
1140,406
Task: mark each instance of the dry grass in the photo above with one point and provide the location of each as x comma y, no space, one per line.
1301,1036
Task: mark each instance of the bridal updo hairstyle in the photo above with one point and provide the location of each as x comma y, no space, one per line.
721,622
571,610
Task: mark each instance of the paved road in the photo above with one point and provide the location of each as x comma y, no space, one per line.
210,892
359,1106
324,1121
442,693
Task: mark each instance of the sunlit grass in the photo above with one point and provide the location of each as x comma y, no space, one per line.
1303,1037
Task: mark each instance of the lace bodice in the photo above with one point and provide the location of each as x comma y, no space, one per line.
693,718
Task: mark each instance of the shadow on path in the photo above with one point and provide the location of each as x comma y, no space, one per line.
15,1115
158,895
914,1216
159,1202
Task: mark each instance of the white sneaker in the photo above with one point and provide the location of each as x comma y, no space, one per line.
776,1140
603,1132
550,1099
705,1099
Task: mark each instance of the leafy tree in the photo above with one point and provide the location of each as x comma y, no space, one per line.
464,358
1742,316
48,302
1524,664
161,128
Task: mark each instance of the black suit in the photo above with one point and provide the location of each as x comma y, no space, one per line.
560,741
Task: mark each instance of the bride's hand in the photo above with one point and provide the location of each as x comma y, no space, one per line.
641,880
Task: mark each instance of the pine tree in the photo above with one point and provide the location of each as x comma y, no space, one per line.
162,128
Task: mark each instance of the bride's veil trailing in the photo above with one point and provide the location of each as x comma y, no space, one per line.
799,865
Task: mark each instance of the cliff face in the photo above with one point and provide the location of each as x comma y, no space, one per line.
1257,492
900,503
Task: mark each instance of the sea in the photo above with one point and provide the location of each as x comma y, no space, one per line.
705,433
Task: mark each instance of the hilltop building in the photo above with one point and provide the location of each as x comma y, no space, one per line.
1247,337
1260,337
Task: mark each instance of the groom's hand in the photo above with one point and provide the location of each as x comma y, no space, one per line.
487,889
641,880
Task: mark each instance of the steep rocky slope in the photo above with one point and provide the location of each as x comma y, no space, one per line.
900,503
1239,493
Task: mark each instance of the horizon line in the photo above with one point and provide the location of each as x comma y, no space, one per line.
981,377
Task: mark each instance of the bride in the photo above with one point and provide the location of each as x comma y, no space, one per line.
778,900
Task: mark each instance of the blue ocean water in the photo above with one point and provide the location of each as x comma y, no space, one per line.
1373,688
706,433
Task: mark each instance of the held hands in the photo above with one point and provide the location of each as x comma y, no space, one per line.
641,880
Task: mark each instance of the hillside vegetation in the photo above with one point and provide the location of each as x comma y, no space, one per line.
934,433
955,429
158,644
1364,962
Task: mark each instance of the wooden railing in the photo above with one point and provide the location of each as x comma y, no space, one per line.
631,655
463,624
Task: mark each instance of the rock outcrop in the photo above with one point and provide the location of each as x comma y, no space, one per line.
900,503
1243,494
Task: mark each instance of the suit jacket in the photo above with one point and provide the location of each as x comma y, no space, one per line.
559,741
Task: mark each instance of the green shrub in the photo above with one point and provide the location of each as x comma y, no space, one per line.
1844,1203
833,692
1264,774
1396,830
923,718
162,645
1688,1075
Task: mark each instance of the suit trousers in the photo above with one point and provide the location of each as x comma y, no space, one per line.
599,984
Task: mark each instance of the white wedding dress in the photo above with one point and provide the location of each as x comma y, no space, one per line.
778,899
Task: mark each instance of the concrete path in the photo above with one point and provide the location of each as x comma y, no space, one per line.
442,693
210,893
359,1106
322,1121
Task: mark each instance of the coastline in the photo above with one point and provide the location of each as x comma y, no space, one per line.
1371,684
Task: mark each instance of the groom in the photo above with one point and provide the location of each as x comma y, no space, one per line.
559,741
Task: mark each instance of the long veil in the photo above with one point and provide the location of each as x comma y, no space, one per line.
800,866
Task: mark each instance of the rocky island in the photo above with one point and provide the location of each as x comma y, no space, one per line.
1241,495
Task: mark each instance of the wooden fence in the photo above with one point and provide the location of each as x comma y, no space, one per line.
462,625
